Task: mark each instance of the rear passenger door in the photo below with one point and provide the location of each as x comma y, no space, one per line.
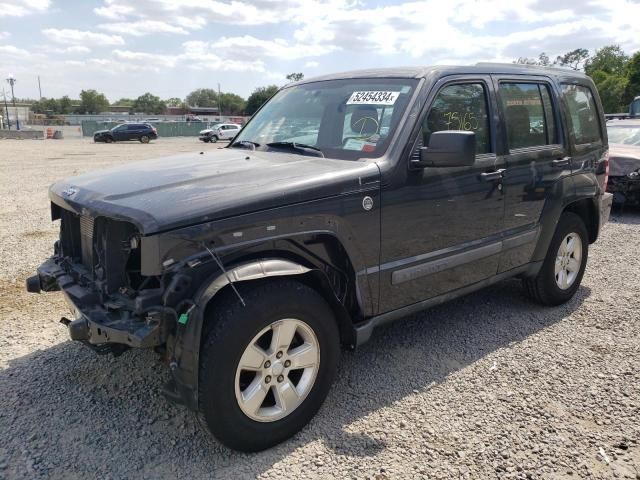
587,135
536,157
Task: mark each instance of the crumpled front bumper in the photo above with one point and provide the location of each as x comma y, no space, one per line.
625,189
95,324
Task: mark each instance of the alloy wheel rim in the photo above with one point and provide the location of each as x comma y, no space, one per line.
568,261
277,370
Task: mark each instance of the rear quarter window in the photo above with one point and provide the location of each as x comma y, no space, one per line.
585,120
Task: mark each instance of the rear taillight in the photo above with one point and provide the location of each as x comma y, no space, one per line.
155,130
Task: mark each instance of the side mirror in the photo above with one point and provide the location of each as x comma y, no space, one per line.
448,148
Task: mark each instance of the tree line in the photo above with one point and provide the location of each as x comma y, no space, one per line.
92,101
616,74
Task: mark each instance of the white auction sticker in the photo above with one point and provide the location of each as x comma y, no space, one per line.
373,98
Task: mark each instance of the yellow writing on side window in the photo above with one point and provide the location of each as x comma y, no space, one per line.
461,121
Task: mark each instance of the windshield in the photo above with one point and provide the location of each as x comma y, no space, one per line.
345,119
624,135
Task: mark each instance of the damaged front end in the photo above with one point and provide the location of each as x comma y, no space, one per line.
625,189
97,266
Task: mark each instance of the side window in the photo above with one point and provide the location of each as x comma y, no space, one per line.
529,115
460,107
585,122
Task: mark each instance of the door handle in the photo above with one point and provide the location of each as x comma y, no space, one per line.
491,176
561,162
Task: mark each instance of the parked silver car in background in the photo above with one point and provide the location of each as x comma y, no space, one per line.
624,161
221,131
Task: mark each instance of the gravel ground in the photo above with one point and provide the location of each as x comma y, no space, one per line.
488,386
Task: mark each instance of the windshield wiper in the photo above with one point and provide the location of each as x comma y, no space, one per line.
295,146
244,144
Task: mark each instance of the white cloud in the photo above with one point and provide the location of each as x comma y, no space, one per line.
20,8
460,29
78,37
11,50
311,64
4,35
142,27
76,49
194,55
248,47
150,60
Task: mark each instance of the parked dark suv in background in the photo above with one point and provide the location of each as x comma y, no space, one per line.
347,201
143,132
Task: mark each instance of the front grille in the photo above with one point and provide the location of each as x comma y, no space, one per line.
103,246
86,241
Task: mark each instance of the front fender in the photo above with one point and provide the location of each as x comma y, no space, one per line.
185,357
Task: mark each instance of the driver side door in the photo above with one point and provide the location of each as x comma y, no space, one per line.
441,226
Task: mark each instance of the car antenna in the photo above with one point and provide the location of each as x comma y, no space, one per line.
217,260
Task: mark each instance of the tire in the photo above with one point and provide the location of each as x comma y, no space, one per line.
214,138
549,287
271,306
108,140
144,139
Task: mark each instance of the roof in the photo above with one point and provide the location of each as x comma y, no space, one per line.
478,68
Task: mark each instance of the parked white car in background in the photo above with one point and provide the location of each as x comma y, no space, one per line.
221,131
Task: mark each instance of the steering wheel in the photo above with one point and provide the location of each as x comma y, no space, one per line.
360,125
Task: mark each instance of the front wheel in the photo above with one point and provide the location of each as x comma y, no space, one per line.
564,265
108,140
214,139
266,367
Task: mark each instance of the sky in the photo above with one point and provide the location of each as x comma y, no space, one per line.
124,48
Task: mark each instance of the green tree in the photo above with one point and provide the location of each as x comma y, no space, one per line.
149,103
232,104
295,77
174,102
203,97
92,101
543,59
609,59
633,79
611,88
125,102
65,104
258,97
574,59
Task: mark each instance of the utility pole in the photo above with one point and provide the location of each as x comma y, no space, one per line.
12,81
6,107
39,88
219,102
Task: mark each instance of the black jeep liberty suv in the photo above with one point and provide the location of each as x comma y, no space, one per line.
346,202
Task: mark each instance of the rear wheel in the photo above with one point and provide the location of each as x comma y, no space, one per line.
144,139
266,367
564,264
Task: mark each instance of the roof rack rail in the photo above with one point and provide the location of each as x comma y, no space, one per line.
524,66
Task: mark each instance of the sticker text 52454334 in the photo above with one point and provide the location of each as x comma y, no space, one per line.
373,98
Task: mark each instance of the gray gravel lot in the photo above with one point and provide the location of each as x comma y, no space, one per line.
488,386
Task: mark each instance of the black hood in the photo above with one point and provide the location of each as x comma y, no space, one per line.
172,192
101,132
